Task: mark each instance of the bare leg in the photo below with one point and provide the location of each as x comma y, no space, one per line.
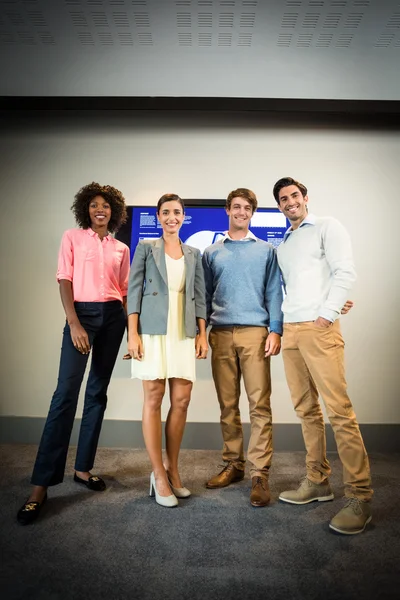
151,423
179,391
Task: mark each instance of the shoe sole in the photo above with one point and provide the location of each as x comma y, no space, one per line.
320,499
167,505
87,485
26,523
217,487
350,532
161,504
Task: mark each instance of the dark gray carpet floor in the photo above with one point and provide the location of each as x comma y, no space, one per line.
120,544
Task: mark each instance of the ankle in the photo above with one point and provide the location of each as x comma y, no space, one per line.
83,474
172,471
160,473
38,493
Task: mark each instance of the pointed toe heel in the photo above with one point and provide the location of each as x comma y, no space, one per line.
167,501
182,492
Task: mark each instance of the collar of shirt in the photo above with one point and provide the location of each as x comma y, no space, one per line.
93,233
309,220
249,236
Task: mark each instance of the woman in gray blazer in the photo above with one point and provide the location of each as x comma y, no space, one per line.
166,304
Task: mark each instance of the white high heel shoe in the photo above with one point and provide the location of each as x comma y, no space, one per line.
168,501
182,492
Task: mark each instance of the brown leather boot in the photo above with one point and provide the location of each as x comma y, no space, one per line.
228,475
260,495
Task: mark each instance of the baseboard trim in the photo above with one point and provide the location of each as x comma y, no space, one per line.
199,436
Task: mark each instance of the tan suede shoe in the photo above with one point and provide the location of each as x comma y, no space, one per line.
308,491
353,518
228,475
260,495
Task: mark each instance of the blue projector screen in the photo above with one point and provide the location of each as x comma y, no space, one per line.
203,225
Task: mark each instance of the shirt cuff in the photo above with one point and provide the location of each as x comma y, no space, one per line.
328,314
63,276
276,327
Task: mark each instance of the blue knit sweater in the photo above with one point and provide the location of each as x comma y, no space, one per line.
243,284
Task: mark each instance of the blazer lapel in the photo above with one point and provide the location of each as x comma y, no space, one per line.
159,258
189,263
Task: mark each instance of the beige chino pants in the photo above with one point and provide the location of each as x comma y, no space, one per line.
314,361
238,351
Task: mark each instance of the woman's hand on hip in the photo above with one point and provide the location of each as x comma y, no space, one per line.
201,346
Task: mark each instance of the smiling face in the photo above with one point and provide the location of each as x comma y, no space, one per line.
99,212
171,216
293,204
239,213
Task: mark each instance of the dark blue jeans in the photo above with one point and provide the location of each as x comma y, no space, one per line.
105,324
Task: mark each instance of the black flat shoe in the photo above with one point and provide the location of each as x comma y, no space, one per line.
93,483
30,511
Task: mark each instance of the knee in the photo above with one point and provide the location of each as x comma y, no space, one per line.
260,410
181,404
64,398
229,412
345,420
313,414
153,402
305,408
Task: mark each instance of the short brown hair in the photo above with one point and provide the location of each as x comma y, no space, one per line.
285,182
243,193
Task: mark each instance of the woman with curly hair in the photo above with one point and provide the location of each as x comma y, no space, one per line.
93,271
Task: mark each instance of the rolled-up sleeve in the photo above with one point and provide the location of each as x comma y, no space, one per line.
65,268
124,272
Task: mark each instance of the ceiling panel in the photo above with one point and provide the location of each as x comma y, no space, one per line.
225,48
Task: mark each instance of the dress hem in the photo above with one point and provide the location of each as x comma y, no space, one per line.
152,378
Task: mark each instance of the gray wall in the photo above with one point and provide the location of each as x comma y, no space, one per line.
351,173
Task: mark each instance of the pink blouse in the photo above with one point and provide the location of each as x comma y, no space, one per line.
98,270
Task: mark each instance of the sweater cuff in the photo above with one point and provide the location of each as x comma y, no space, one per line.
276,327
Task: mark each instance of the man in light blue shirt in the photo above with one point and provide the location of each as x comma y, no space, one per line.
317,266
244,297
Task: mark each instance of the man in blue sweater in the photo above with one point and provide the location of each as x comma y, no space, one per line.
244,298
317,267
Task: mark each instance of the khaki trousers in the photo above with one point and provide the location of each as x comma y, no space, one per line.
239,351
314,360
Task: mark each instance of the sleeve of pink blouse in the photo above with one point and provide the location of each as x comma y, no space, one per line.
65,269
124,273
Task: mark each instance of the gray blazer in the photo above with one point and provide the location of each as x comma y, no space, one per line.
148,288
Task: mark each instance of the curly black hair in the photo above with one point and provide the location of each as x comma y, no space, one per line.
83,198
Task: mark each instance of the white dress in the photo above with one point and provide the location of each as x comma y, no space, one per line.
171,355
